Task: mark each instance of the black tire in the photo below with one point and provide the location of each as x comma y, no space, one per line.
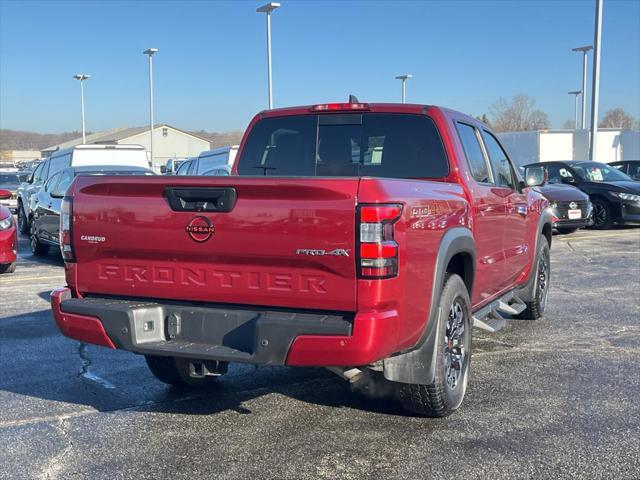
566,230
38,248
175,371
602,218
444,396
7,267
541,279
23,221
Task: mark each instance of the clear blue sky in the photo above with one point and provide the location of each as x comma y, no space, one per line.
210,72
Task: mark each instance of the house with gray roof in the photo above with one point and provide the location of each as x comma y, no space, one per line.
168,142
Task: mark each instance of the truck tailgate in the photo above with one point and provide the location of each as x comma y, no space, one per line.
285,242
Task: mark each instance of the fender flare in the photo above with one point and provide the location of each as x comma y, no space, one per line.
417,366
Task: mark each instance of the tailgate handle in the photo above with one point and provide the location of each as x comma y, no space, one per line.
201,199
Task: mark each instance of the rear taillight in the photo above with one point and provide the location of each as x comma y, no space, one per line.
66,230
378,249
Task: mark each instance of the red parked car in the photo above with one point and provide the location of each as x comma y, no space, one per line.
8,237
364,238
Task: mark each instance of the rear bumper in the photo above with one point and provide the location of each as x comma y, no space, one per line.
226,333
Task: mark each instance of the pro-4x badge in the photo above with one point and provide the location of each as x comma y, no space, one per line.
338,252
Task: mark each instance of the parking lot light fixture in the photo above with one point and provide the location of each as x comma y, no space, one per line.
575,93
404,79
267,9
149,52
82,77
595,81
584,51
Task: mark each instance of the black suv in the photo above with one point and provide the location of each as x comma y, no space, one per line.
614,195
630,167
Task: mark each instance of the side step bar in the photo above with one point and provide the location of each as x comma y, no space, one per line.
489,317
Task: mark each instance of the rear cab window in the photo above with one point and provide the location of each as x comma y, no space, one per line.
350,144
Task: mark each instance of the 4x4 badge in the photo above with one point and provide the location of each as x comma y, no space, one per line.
200,229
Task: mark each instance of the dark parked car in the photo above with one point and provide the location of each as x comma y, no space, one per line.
630,167
614,195
46,203
571,207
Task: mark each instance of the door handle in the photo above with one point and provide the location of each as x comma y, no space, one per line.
522,210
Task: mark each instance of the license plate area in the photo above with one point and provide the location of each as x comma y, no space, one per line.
575,214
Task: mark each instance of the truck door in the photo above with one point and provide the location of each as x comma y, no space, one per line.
489,217
516,244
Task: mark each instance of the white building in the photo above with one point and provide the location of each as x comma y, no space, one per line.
547,145
168,142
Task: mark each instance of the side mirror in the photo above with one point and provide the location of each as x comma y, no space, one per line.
30,178
163,169
535,176
5,194
569,180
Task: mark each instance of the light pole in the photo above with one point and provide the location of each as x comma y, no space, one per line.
82,77
595,83
150,52
575,101
584,51
268,8
404,79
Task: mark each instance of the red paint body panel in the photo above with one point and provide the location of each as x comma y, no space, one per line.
8,239
79,327
142,248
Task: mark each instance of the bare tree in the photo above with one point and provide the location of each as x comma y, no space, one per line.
517,115
569,124
617,118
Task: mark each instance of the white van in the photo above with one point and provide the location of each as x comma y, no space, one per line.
93,155
216,159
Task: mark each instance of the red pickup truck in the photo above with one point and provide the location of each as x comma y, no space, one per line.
367,238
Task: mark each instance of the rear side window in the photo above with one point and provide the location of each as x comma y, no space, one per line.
473,152
206,163
58,163
369,144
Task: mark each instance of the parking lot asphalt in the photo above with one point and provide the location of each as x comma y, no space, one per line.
555,398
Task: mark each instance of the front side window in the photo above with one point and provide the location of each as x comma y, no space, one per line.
499,161
37,174
473,152
49,186
367,144
182,169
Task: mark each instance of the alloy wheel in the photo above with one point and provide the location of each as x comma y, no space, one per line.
455,353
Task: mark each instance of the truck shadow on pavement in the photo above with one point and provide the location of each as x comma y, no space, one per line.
40,365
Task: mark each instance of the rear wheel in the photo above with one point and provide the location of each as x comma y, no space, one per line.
566,231
175,371
7,267
23,221
601,214
38,248
542,277
445,394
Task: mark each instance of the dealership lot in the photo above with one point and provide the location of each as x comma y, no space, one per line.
554,398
